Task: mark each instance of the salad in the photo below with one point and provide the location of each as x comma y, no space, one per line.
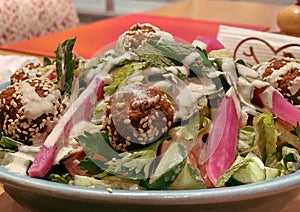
152,113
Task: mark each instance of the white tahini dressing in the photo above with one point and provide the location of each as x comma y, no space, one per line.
34,105
294,86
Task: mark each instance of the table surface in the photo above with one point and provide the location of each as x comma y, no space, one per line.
211,10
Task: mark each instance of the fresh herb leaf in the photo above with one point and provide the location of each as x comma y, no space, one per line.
90,166
178,54
135,165
149,53
96,144
8,144
65,178
65,65
47,61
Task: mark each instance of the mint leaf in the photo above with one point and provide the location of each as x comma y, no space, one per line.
65,65
169,53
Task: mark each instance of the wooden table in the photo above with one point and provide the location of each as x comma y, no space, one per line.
211,10
226,11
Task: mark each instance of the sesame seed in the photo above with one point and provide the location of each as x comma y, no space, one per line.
145,125
13,103
120,105
126,121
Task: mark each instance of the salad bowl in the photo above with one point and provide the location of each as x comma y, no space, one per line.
41,195
151,124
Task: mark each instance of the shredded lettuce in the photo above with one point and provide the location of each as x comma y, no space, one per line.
120,74
245,170
246,140
290,160
266,138
190,130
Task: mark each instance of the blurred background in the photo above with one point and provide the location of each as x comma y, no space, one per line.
90,10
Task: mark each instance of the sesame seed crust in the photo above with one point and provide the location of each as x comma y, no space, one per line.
24,73
17,122
137,35
284,75
146,116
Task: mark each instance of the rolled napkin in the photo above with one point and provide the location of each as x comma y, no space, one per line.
10,63
256,46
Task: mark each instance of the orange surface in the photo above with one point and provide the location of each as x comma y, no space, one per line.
94,36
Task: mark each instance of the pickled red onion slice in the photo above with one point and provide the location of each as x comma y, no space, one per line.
278,105
79,110
222,140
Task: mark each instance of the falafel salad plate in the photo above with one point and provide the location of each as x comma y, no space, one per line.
152,113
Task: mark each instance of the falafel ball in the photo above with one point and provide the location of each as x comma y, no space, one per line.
28,71
284,75
139,34
136,116
30,109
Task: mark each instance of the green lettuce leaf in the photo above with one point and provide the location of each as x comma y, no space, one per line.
245,170
288,137
120,74
246,138
266,138
190,130
290,160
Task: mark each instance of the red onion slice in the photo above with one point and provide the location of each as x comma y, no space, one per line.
222,140
79,110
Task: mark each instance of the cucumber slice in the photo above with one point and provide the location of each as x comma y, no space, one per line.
189,178
111,182
169,167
